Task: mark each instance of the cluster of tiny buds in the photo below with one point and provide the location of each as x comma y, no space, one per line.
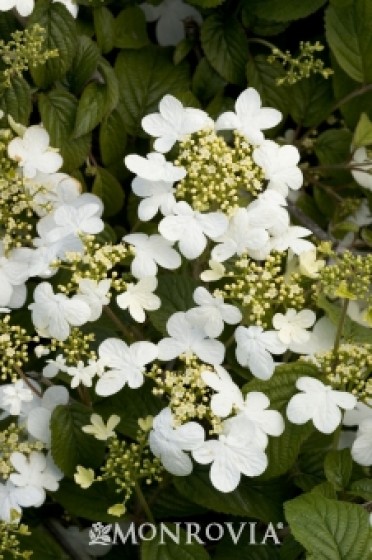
9,542
77,347
14,342
349,277
25,50
351,371
13,439
256,285
303,65
217,174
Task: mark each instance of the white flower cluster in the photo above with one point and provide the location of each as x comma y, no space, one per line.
26,7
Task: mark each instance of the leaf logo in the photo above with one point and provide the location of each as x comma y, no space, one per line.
99,534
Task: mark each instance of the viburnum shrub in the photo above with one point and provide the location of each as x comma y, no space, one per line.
185,276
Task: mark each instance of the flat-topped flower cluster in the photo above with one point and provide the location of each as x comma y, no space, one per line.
214,199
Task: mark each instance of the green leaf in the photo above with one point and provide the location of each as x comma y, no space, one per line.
363,132
16,100
112,138
104,27
84,63
328,529
333,146
362,488
145,76
61,35
206,83
91,503
130,29
162,547
70,445
262,76
58,112
206,3
170,504
338,466
252,498
182,50
228,550
176,294
349,34
310,461
42,544
109,190
311,100
277,10
282,451
226,47
130,404
97,100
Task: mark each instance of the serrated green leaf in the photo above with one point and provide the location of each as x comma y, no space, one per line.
70,445
58,112
162,547
112,138
176,294
109,190
338,466
130,29
104,27
91,503
363,132
61,35
84,63
362,488
349,34
206,82
145,76
253,498
16,100
262,76
226,47
328,529
277,10
311,100
282,451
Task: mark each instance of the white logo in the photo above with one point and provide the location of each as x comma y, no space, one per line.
99,534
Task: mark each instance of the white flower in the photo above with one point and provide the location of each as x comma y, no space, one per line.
8,501
83,374
39,417
309,265
151,251
321,339
361,412
13,395
33,153
13,274
279,164
126,363
292,239
191,228
319,403
70,5
35,474
57,189
139,298
358,312
157,196
363,175
268,211
240,237
95,295
249,117
83,215
292,326
232,454
23,7
187,338
265,422
99,429
216,272
212,313
169,442
361,450
54,314
54,366
154,167
228,394
172,16
254,349
174,122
